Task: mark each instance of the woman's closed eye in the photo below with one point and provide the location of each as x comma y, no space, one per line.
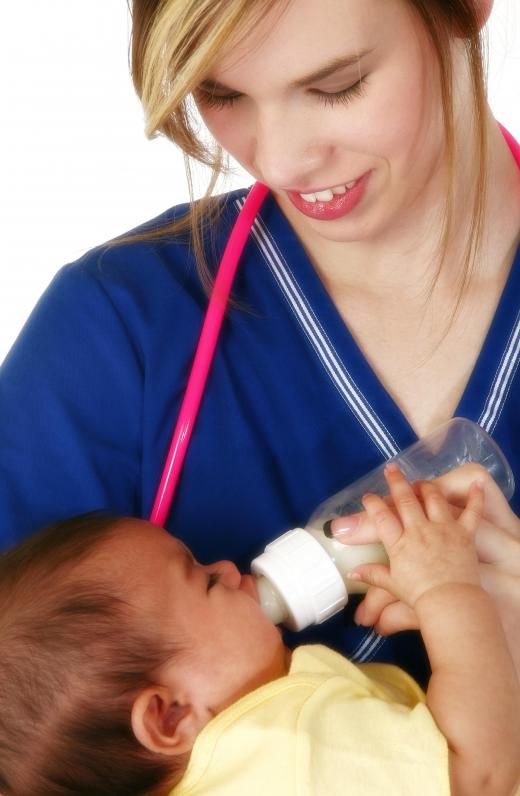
213,579
218,101
344,96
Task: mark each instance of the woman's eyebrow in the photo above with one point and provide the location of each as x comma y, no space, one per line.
326,70
329,68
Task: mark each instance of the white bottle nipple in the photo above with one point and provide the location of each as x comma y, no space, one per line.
271,603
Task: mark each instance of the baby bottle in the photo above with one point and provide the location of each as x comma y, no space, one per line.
302,575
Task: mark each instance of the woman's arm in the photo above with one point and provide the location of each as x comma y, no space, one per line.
71,410
473,693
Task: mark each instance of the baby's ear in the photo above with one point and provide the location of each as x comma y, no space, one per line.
163,725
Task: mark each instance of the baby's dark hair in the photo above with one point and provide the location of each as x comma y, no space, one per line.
72,659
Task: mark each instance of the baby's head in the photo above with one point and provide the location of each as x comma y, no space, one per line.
117,647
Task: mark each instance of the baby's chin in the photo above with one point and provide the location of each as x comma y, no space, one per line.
283,656
280,663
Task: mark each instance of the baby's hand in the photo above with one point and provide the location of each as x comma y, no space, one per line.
426,546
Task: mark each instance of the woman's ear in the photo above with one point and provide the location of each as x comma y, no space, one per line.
484,9
163,725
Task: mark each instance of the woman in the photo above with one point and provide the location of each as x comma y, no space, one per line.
375,298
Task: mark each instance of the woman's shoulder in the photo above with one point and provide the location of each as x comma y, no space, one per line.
146,285
223,204
158,251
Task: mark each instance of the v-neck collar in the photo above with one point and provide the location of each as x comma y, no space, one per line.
347,366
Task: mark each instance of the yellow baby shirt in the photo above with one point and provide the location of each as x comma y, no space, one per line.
328,727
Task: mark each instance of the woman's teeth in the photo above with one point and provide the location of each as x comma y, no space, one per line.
328,194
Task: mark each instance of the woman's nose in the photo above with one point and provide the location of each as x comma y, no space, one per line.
288,153
228,573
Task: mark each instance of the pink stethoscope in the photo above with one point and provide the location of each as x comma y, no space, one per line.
204,353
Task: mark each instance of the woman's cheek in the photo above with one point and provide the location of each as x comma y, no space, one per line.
228,129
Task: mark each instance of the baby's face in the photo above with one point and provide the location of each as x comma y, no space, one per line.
211,611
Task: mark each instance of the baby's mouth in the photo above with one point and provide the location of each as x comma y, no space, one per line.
248,585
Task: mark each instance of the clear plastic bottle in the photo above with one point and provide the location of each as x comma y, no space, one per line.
301,576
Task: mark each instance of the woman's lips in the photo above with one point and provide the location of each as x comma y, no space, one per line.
340,205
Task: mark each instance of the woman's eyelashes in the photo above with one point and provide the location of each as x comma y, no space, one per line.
344,96
219,101
213,579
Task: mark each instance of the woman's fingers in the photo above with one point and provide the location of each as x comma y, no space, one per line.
455,487
496,582
505,590
353,529
455,484
496,546
436,507
472,513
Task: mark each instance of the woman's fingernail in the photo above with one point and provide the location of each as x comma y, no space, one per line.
341,526
392,468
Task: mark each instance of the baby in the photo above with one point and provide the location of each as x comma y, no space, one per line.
127,667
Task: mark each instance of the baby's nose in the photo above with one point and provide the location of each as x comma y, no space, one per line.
228,573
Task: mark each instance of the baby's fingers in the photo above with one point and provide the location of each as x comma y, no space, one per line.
406,503
395,618
386,523
375,575
472,513
372,606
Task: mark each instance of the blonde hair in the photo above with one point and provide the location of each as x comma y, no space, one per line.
175,43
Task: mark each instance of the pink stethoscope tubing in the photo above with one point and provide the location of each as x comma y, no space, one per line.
204,353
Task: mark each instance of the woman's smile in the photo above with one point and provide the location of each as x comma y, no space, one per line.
331,203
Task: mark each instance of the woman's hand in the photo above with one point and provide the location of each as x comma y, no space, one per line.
498,547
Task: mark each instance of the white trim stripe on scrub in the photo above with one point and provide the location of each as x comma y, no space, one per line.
502,381
367,647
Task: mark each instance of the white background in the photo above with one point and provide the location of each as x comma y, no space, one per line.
75,167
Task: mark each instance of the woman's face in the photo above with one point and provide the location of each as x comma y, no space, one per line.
302,113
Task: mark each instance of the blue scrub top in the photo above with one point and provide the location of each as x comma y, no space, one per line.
292,412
